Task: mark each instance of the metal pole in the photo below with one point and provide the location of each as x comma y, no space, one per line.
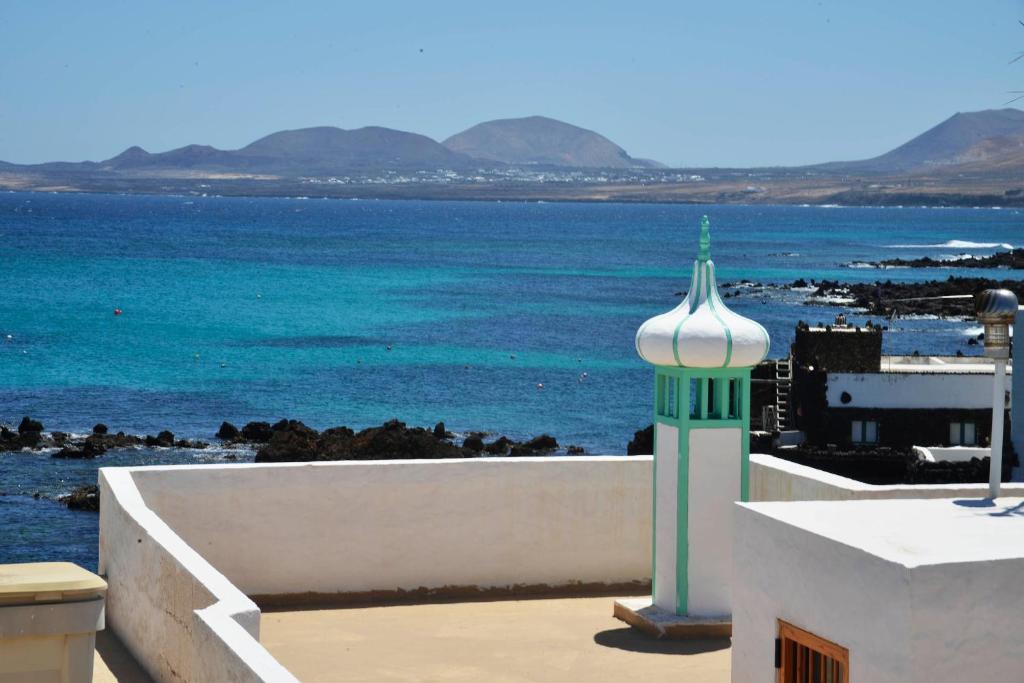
995,473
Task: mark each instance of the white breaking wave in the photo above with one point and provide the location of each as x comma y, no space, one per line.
954,244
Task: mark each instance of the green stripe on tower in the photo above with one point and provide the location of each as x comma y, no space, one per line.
711,304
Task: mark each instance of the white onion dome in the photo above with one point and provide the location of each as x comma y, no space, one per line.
702,332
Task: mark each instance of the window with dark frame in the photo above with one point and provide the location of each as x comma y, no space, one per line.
863,431
802,657
963,434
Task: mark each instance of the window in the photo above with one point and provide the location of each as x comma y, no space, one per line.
803,657
963,434
864,431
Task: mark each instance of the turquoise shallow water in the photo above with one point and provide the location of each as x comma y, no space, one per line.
244,309
241,309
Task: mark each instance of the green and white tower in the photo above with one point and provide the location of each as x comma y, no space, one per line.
702,355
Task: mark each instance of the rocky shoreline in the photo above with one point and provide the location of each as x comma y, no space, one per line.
1012,259
283,441
915,298
952,297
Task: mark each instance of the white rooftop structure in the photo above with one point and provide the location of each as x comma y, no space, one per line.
904,590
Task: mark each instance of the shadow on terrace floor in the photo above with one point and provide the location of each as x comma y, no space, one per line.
113,663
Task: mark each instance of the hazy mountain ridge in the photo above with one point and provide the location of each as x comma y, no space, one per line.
542,141
327,150
965,137
970,159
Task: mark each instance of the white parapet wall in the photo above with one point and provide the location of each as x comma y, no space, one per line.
182,547
180,617
775,479
405,525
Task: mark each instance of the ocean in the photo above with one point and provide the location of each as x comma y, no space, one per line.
353,312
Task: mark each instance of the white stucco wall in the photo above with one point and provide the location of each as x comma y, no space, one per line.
405,524
837,592
910,390
951,453
180,618
917,590
666,504
775,479
715,457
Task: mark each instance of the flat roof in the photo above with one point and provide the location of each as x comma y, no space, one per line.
941,364
913,532
571,639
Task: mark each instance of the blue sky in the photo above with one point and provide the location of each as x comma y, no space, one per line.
687,83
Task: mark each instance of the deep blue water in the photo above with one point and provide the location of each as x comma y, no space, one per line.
242,309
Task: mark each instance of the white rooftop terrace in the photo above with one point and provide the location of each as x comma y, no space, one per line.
191,554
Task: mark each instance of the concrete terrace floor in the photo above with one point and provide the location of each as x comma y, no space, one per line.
572,639
113,663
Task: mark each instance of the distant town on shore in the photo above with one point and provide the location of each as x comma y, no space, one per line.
970,159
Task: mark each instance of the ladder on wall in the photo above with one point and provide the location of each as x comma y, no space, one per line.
783,385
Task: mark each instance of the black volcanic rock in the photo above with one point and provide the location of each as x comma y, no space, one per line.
642,443
535,446
293,441
1012,259
228,432
29,425
473,442
257,432
290,442
99,428
84,498
501,446
541,141
164,439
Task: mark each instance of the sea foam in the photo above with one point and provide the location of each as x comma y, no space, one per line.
954,244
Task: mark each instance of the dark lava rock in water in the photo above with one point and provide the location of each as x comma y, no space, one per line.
99,428
544,442
501,446
535,446
473,442
227,432
90,449
290,441
164,439
257,432
84,498
294,441
119,440
642,443
439,431
29,425
188,443
575,450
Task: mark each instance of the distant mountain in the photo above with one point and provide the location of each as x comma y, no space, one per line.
971,137
538,140
308,151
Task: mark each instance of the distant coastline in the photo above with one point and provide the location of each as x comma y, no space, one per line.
793,194
970,159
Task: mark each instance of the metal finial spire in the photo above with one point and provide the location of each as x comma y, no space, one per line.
705,240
